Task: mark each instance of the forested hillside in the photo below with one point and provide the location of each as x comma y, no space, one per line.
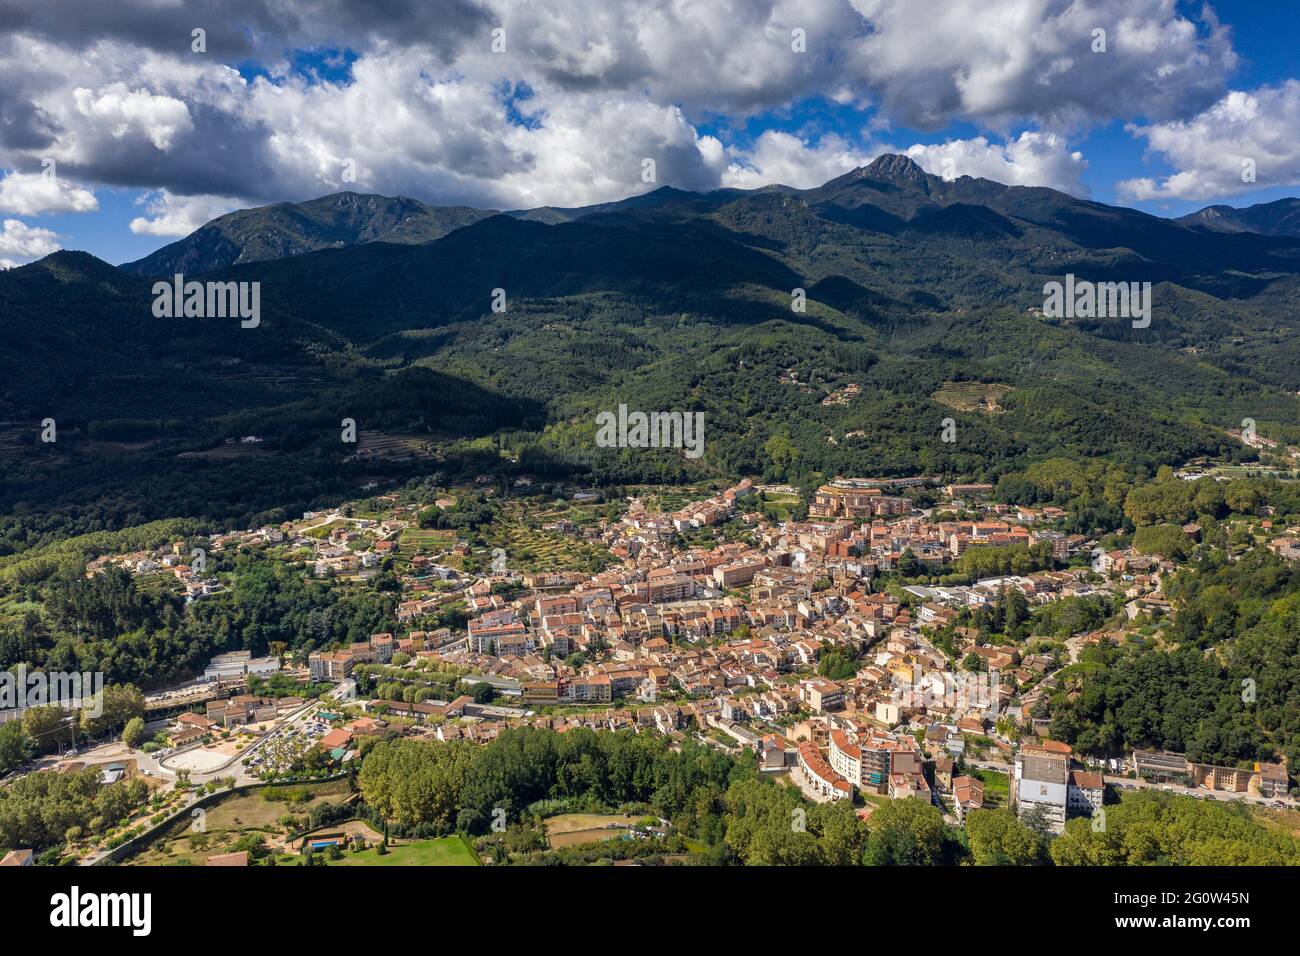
916,291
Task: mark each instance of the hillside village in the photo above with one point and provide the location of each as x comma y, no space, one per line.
768,638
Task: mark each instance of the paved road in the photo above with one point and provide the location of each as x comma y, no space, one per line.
1126,783
1123,783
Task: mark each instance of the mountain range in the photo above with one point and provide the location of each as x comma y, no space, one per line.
923,302
891,191
1280,218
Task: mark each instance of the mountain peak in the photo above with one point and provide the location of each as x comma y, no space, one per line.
289,229
894,167
1281,217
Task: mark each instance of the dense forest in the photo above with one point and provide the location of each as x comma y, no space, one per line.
1223,686
110,624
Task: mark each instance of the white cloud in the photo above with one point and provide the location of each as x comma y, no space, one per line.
1032,159
124,112
778,157
586,90
31,194
999,61
1257,130
26,242
170,215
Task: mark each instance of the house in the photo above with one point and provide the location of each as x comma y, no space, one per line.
822,695
1273,780
817,779
943,765
1040,782
330,666
1086,793
18,858
967,795
196,722
338,737
773,753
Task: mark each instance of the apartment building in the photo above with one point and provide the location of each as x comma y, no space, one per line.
1040,783
330,665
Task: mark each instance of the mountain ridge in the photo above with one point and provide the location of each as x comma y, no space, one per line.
885,195
669,300
1280,217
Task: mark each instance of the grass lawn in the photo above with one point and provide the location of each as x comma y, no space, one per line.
780,506
443,851
428,538
997,786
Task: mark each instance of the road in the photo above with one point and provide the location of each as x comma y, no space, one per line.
1127,783
240,768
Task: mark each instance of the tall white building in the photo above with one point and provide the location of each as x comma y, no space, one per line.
1040,783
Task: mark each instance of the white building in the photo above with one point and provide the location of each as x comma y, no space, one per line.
1040,783
238,664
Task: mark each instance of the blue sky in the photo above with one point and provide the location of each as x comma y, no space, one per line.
152,138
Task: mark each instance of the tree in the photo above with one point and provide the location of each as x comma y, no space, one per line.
1150,827
47,727
997,838
837,665
907,832
118,704
133,734
1166,540
842,834
15,746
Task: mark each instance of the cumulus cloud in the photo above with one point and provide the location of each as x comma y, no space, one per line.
1032,159
245,29
125,112
778,157
1247,139
31,194
171,215
26,242
999,61
419,103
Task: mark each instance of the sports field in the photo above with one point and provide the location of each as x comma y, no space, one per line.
443,851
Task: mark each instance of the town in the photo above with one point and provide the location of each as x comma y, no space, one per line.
716,617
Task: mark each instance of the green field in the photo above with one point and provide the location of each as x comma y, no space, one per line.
574,829
428,539
779,506
997,786
443,851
